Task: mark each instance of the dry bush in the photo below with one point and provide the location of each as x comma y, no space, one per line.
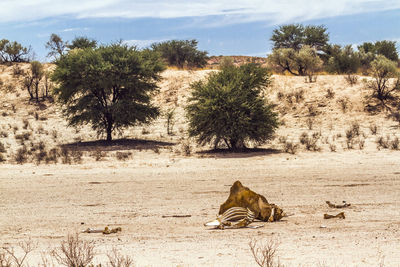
117,260
21,155
290,147
344,104
361,143
25,136
310,123
9,257
2,148
332,147
351,134
98,154
265,255
65,156
351,79
123,155
313,110
394,144
17,71
74,252
186,147
330,93
77,156
52,155
383,142
373,128
25,124
310,142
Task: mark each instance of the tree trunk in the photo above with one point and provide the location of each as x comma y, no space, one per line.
109,133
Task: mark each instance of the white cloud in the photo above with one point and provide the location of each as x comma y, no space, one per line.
229,11
142,43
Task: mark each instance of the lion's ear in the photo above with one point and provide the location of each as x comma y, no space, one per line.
264,208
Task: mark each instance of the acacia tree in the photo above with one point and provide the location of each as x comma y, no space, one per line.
296,36
82,42
14,52
304,62
109,87
56,45
181,53
229,107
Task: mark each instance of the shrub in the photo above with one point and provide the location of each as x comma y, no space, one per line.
344,103
265,254
330,93
229,108
310,142
373,128
351,79
342,60
74,252
290,147
382,70
123,155
21,156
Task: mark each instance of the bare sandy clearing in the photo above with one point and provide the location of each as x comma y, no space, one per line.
47,202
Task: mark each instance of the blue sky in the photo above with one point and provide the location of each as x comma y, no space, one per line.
222,27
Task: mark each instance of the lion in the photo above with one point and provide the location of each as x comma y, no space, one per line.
241,196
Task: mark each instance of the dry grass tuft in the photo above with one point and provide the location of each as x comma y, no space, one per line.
265,254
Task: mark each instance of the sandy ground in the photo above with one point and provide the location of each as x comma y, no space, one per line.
45,203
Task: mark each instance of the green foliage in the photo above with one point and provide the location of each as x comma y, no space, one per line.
382,70
181,53
295,36
82,43
304,62
369,51
13,52
229,107
56,46
385,48
109,87
343,60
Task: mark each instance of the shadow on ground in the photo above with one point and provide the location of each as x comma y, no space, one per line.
118,144
239,153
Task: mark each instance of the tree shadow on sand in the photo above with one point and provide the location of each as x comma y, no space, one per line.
118,144
239,153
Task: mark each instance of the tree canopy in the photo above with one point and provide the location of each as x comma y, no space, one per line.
13,52
297,62
181,53
109,87
385,48
229,108
82,42
295,36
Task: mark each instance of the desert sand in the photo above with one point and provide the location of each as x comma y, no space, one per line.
46,202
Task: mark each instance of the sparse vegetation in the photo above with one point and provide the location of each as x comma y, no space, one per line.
265,254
